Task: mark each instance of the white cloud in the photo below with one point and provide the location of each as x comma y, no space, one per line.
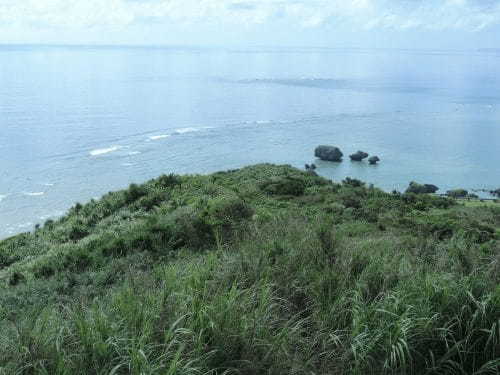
363,14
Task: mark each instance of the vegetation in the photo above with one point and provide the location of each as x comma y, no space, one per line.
417,188
458,193
263,270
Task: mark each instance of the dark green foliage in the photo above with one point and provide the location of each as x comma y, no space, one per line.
262,270
495,192
416,188
457,193
78,231
152,200
134,192
168,181
15,278
227,210
353,182
284,186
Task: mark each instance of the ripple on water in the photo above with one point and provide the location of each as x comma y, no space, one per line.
104,151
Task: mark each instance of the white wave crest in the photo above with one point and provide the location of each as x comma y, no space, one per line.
132,153
161,136
2,197
35,194
187,130
103,151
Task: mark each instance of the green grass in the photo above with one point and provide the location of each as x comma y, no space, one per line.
262,270
479,203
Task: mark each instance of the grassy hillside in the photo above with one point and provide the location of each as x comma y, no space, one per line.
263,270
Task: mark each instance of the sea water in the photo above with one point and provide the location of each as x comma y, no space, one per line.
77,122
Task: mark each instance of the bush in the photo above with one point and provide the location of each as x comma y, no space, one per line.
284,186
416,188
152,200
353,182
16,278
188,229
44,270
168,181
78,231
227,210
457,193
134,192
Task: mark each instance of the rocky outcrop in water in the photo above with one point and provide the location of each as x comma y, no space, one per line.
358,156
374,160
328,153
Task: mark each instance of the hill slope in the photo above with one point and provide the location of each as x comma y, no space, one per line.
266,269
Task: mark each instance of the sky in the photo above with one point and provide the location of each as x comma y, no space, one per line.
454,24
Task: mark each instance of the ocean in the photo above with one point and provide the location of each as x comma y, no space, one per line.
78,121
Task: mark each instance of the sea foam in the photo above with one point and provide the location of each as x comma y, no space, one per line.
103,151
156,137
35,194
187,130
2,197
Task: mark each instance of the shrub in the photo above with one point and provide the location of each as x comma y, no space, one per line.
152,200
416,188
283,186
134,192
351,198
227,210
187,228
353,182
44,270
168,181
78,231
457,193
16,278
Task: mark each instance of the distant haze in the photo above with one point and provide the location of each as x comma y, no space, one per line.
457,24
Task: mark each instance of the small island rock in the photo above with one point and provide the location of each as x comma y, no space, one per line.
358,156
374,160
328,153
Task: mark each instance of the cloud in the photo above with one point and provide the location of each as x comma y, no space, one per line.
356,14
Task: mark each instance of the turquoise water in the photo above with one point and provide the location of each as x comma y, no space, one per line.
77,122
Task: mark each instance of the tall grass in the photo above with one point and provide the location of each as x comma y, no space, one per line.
224,278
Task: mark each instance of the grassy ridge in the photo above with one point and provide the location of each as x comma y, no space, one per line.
263,270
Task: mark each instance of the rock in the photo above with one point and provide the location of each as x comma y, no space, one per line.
328,153
307,167
358,156
374,160
421,188
313,166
